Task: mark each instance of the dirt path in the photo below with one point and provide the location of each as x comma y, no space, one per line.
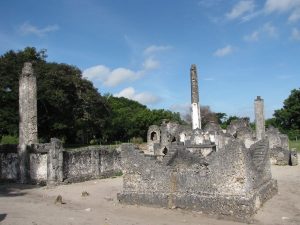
35,206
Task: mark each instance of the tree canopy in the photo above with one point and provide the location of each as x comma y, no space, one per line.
69,106
130,119
287,119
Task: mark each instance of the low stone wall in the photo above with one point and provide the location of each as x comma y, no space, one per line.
90,163
9,165
51,164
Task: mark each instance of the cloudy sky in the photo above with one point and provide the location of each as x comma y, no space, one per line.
143,49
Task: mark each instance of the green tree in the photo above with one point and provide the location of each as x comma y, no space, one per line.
129,119
69,107
11,64
288,117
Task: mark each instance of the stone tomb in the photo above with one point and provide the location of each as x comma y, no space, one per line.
233,181
216,172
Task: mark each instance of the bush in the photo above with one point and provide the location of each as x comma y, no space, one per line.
136,140
294,134
295,144
94,142
8,139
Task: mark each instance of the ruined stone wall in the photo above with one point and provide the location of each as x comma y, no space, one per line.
9,166
38,167
90,163
50,164
279,148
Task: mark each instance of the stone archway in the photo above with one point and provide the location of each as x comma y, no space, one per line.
153,136
165,151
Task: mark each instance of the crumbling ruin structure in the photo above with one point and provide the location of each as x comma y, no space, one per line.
49,163
27,118
279,148
225,173
233,181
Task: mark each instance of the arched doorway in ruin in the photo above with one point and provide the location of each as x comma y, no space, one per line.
165,151
153,136
173,139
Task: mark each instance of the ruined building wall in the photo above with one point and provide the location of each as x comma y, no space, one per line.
90,163
51,164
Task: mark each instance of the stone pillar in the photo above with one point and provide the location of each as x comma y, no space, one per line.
196,117
27,118
259,118
55,162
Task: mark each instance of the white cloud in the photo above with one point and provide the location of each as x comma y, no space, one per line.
143,97
223,51
240,9
156,48
281,5
27,29
119,75
110,77
151,64
266,30
254,36
113,77
270,30
184,110
98,72
295,16
295,34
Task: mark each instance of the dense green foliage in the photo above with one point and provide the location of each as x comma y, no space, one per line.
287,119
295,144
8,139
69,107
130,119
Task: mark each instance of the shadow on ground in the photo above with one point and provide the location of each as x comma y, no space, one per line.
2,217
8,189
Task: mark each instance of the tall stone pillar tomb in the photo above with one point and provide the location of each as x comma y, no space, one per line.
259,118
27,118
195,114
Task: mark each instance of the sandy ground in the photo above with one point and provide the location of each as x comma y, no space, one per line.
31,205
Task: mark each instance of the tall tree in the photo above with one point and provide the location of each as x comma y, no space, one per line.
288,117
69,107
130,119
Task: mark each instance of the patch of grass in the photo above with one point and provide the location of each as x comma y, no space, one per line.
8,139
295,144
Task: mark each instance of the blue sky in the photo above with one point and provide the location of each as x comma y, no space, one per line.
143,49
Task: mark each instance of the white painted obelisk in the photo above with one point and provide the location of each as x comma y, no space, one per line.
196,117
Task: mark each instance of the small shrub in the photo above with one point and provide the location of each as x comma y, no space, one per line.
136,140
8,139
295,144
93,142
117,174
